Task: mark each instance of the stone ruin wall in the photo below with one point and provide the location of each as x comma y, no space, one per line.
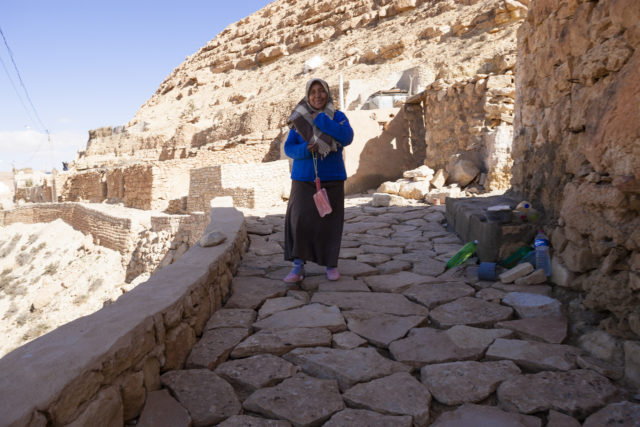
577,146
471,120
249,185
120,351
145,244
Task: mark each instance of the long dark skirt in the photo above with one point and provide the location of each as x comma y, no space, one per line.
306,235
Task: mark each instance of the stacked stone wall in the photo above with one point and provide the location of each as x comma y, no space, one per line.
577,146
249,185
119,352
471,120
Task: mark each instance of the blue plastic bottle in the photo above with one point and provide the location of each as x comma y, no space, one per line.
543,261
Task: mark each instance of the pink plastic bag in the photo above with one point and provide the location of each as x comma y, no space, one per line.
321,200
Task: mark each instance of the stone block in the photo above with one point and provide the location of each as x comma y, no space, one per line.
632,362
516,272
538,276
105,409
560,274
385,199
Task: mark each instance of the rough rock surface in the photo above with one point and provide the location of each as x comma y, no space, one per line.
397,394
302,400
337,364
577,392
456,383
208,398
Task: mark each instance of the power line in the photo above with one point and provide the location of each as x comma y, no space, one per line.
22,82
15,89
26,92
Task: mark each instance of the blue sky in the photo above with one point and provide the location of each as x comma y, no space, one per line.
88,64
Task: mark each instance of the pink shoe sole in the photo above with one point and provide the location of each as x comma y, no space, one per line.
293,278
333,274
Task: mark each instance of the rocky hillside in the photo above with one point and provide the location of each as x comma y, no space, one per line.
240,87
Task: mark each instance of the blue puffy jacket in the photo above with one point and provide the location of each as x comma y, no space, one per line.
331,168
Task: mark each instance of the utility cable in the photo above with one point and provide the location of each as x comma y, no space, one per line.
26,92
21,81
15,89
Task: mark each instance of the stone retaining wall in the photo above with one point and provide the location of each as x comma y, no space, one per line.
98,369
577,146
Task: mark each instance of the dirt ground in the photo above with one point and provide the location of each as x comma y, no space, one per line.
51,274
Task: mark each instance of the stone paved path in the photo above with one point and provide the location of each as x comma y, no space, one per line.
397,341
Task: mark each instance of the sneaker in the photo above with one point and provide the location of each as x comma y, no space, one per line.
294,278
333,274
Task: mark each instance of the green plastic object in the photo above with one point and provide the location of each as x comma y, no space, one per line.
513,259
463,254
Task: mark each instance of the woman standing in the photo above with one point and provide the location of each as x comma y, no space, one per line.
318,133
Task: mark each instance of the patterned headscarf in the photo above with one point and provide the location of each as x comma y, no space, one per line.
302,120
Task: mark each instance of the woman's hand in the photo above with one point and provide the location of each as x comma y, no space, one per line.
312,147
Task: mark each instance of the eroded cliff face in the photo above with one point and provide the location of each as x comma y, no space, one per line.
242,85
577,144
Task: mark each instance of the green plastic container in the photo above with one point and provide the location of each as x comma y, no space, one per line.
463,254
513,259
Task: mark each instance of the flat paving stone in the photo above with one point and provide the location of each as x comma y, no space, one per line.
344,284
248,421
282,341
532,289
534,355
350,267
456,383
396,394
469,415
370,301
384,250
378,241
363,226
308,316
253,373
433,294
231,318
333,363
361,417
577,393
620,413
301,400
469,311
208,398
349,253
347,340
259,228
275,305
396,282
429,267
393,266
162,410
428,345
381,329
214,347
251,292
491,295
549,329
301,295
373,259
558,419
263,246
415,256
533,305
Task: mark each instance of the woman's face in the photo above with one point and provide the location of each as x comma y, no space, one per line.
317,96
